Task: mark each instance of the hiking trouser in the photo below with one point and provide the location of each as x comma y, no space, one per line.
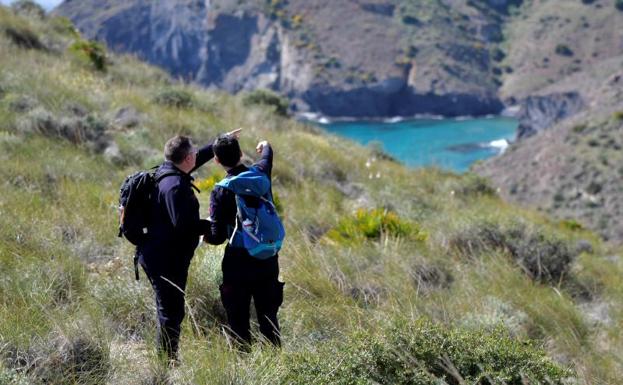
246,278
169,307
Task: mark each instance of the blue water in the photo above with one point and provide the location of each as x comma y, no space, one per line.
446,143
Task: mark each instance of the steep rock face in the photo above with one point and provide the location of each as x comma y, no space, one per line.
362,59
166,33
537,113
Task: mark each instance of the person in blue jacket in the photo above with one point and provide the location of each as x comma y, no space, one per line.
173,235
244,277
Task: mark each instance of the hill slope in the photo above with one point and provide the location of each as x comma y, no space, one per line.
392,275
573,169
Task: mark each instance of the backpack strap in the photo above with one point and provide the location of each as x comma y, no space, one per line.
170,173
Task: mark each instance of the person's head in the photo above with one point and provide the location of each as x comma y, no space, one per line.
180,150
227,151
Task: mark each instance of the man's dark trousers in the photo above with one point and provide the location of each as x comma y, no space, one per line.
244,278
168,289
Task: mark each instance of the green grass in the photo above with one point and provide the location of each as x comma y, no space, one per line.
394,297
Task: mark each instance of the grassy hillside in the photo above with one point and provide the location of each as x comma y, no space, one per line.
393,276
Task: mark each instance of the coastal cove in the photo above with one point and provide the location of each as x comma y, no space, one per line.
451,144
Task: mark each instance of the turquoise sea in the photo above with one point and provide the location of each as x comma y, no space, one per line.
451,144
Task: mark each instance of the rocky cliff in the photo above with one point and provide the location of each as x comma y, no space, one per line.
340,58
568,82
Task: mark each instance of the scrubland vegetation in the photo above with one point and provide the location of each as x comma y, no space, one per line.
411,277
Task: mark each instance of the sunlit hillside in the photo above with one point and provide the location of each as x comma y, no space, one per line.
393,275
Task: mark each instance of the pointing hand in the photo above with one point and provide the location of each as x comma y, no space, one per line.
235,133
260,146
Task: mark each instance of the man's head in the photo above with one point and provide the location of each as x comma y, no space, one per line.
180,150
227,151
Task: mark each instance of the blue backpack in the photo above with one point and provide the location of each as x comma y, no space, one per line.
262,232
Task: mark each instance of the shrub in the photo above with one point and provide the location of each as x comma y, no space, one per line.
618,4
263,97
571,224
76,359
473,185
579,128
88,129
90,53
618,116
372,224
423,353
563,50
543,257
410,20
177,98
22,36
497,54
64,26
28,8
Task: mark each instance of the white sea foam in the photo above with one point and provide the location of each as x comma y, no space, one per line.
395,119
314,117
500,144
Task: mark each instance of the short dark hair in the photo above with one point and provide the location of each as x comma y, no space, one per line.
227,150
177,148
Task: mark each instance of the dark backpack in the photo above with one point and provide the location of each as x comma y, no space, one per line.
135,196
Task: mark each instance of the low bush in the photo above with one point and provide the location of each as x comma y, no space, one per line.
88,129
618,116
618,4
563,50
268,98
28,8
541,255
372,224
90,53
471,185
76,359
423,353
173,97
22,36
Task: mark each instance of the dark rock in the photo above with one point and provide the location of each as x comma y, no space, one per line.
537,113
583,246
386,9
503,5
377,102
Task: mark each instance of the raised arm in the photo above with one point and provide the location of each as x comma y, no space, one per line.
265,164
206,153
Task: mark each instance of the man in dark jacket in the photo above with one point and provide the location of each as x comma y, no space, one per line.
173,235
244,277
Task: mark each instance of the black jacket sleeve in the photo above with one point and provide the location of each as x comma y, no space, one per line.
204,155
222,216
265,164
